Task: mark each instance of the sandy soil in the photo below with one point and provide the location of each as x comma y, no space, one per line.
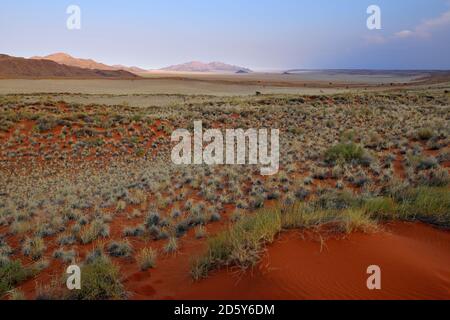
151,86
219,84
414,260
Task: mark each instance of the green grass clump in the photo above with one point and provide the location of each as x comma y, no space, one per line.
425,134
11,274
344,152
241,244
100,281
427,204
381,207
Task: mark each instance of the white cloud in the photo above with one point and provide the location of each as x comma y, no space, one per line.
427,27
404,34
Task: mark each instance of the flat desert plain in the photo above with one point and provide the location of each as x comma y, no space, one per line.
86,179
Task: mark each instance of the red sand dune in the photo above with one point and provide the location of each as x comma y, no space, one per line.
414,260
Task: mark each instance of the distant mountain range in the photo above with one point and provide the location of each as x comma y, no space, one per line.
197,66
68,60
62,65
194,66
19,68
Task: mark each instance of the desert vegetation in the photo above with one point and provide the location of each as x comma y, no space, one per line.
93,184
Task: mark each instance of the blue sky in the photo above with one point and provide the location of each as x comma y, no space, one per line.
260,34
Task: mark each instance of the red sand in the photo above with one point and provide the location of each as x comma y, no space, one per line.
414,260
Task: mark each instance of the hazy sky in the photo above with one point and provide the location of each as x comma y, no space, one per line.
260,34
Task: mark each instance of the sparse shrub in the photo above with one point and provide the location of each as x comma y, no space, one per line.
134,231
101,281
424,134
361,179
397,189
147,258
11,274
152,219
96,254
135,214
4,259
200,232
171,246
121,205
438,178
188,204
336,200
356,219
344,152
427,204
427,163
181,228
320,173
65,256
301,193
289,199
380,207
154,231
198,215
34,247
20,227
214,217
175,213
46,123
257,201
96,229
119,249
240,245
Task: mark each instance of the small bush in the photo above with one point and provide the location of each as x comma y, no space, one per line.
427,204
171,246
11,274
134,231
96,229
101,281
438,178
425,134
147,258
382,207
427,163
345,152
241,244
34,248
119,249
152,219
96,254
65,256
200,232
